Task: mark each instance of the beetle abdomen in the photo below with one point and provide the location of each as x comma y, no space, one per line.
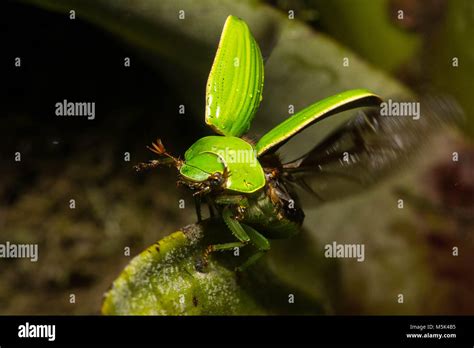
274,221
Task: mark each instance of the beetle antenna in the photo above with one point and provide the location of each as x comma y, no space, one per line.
158,148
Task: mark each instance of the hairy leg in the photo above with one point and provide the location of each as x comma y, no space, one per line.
245,234
260,242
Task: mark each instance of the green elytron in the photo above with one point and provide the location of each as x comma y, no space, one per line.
245,183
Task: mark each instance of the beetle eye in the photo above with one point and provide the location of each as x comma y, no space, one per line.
215,179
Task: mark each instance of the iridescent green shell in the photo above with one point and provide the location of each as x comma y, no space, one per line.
215,153
235,84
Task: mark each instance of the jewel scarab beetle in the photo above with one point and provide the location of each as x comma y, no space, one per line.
245,183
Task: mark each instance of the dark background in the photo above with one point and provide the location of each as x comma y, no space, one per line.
67,158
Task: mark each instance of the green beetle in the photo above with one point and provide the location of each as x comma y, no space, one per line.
245,183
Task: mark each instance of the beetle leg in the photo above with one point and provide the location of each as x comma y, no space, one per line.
197,205
273,194
147,165
212,207
202,191
257,239
237,230
219,247
260,242
245,234
234,226
154,164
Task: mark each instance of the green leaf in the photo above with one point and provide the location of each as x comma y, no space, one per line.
388,46
235,84
167,279
316,112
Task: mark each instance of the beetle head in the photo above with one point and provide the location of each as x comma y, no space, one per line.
203,173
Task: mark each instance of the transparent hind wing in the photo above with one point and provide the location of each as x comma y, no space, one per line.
366,149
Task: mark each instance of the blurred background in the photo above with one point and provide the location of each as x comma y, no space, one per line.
395,47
